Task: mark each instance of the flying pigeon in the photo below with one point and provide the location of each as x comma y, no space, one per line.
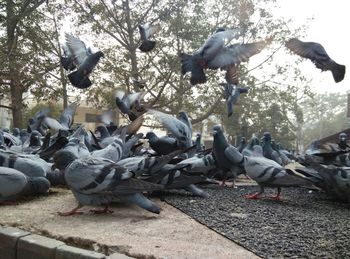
318,55
99,181
84,59
180,129
146,31
213,54
130,104
232,93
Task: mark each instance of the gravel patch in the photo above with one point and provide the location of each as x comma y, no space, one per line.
304,224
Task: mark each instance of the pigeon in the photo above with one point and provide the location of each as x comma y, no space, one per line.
335,180
199,60
224,155
67,60
232,93
162,145
342,141
13,184
214,55
113,151
268,173
84,59
30,165
130,104
180,129
99,181
146,31
242,144
254,141
67,117
198,143
318,55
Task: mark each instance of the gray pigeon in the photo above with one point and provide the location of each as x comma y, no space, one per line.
146,31
99,181
130,104
232,93
84,59
67,117
318,55
181,130
268,173
226,157
215,55
13,184
199,60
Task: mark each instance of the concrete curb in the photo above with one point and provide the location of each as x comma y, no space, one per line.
19,244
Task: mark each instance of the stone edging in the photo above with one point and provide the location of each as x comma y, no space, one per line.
19,244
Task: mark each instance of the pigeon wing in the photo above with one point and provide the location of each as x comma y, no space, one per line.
235,54
77,48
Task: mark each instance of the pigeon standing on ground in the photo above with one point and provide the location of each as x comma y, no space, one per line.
268,173
99,181
318,55
162,145
224,155
84,59
146,31
13,184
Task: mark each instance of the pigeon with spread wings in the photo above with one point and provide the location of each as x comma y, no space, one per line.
318,55
84,60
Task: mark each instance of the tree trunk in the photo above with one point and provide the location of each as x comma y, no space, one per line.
16,90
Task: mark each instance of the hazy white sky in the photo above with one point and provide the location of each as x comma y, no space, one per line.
330,27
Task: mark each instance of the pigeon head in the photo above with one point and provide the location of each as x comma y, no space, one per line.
267,136
15,132
199,135
150,135
39,184
217,129
103,131
343,136
220,29
99,54
243,140
63,158
6,130
35,139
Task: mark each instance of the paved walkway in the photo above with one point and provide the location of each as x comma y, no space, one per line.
129,230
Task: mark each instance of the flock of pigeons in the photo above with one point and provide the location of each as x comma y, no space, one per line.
214,54
118,163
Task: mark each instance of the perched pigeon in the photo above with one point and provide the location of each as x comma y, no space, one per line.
99,181
225,155
84,59
232,93
318,55
146,31
13,184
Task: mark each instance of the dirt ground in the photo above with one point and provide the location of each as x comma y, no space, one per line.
129,230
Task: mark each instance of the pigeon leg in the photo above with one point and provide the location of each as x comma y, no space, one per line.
255,196
72,212
102,211
277,196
